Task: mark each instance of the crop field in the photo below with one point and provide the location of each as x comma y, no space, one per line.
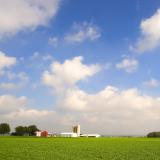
21,148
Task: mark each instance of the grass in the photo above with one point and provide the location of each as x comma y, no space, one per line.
16,148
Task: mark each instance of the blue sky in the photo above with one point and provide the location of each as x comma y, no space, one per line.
59,56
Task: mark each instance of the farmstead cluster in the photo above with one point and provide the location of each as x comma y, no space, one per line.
76,132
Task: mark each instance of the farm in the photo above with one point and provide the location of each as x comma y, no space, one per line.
32,148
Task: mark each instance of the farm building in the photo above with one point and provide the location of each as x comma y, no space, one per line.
41,133
75,132
68,134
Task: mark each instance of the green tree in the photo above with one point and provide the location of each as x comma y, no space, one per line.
20,130
32,129
4,128
153,135
26,131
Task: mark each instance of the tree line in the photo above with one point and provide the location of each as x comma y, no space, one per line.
153,135
19,130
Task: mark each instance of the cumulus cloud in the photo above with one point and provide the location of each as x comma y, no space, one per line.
20,15
68,73
81,32
15,81
27,113
150,34
74,100
39,60
6,61
128,65
111,111
9,103
153,83
22,76
11,106
16,110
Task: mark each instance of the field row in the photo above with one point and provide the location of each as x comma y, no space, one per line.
15,148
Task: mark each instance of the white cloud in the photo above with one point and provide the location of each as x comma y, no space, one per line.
22,76
53,41
39,60
41,57
16,109
28,113
68,73
8,86
16,80
74,99
111,110
128,65
6,61
150,34
82,32
9,103
153,83
19,15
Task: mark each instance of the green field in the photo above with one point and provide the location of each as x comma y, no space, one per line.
15,148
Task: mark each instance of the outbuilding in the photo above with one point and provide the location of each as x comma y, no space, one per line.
69,134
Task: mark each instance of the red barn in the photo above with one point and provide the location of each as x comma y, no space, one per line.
41,133
44,134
